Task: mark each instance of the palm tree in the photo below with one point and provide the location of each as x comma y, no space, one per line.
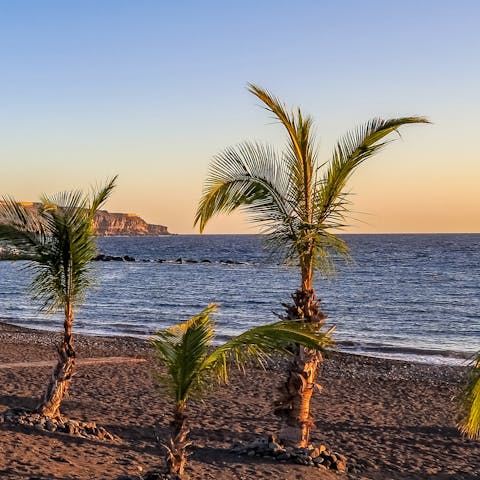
300,203
470,424
191,365
59,237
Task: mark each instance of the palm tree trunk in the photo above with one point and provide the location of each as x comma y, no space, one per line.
177,445
294,406
63,372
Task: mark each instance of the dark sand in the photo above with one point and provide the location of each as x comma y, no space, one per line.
396,419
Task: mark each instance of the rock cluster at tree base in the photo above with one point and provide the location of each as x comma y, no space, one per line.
312,456
22,416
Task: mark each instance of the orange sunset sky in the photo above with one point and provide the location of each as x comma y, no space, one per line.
152,91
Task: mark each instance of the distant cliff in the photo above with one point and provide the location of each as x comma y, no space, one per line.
111,224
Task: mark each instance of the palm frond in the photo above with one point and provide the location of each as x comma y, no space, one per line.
100,194
301,148
470,423
297,126
350,152
182,350
20,226
259,343
248,176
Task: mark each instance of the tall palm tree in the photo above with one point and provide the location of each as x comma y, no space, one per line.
300,203
191,365
470,423
59,237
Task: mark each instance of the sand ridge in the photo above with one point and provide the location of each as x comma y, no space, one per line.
79,363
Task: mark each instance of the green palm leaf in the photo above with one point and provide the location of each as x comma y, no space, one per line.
351,151
260,343
182,350
470,424
249,174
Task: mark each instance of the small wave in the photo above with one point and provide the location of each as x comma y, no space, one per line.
407,352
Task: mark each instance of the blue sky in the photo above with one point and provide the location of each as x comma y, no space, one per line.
151,90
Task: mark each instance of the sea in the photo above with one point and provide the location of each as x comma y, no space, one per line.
406,297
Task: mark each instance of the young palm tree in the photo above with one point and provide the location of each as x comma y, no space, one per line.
299,202
470,424
59,238
191,364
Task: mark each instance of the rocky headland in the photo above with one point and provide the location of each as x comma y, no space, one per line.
117,224
129,224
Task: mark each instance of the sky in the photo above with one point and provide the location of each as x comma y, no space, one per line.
152,90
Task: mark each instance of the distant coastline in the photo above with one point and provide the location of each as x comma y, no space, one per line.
108,224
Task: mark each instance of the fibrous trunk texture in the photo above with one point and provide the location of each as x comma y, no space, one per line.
294,405
177,445
61,375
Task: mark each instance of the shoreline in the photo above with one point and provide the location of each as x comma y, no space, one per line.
406,354
393,419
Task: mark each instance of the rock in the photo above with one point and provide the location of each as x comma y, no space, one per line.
60,459
315,453
275,446
50,426
341,457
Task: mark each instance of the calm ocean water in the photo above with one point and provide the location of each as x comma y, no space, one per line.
411,297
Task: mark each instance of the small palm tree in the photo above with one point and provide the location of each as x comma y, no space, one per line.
300,203
470,424
59,238
192,366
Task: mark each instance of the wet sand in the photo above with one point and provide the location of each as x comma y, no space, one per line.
396,420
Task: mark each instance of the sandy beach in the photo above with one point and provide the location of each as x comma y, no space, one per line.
392,420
